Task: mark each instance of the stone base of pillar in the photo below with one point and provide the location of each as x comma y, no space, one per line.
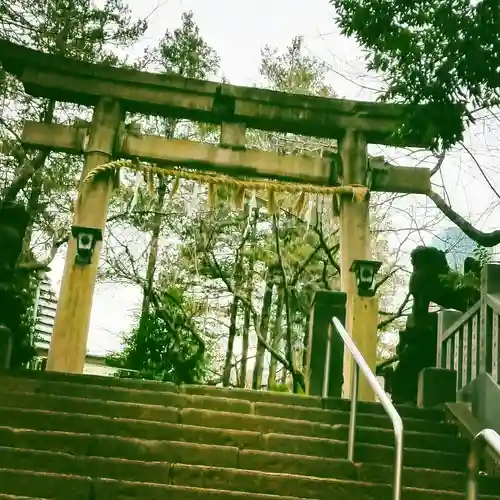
362,326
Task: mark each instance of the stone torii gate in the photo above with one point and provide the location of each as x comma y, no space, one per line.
114,91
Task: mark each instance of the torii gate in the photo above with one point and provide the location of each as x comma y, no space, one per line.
114,91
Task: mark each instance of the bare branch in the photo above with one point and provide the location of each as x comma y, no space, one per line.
484,239
24,175
304,265
397,315
439,163
387,277
28,168
327,250
485,177
43,265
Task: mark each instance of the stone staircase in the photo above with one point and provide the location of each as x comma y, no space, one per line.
77,437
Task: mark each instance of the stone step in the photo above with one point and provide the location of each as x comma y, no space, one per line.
17,497
66,385
295,465
88,421
218,447
59,487
175,406
64,487
305,487
375,419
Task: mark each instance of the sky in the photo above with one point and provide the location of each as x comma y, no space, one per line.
238,31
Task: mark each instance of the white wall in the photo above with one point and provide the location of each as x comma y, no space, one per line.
91,369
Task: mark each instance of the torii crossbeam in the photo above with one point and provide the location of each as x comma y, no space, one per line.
114,91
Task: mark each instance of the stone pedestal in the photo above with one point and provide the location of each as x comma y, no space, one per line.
326,305
436,386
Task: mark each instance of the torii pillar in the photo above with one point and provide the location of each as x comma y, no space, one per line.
355,243
68,343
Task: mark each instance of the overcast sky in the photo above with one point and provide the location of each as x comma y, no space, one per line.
238,30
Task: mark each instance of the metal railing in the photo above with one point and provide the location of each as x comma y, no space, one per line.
397,423
487,437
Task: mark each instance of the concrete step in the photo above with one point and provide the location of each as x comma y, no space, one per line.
6,496
59,487
204,446
271,483
64,487
288,465
90,418
64,384
173,407
99,438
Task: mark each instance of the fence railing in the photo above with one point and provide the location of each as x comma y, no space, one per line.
469,342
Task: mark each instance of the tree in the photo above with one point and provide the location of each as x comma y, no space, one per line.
167,345
151,212
268,258
73,28
43,182
441,54
185,53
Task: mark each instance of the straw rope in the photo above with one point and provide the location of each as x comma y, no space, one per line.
357,191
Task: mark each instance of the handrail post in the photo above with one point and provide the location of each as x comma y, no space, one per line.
354,413
326,374
398,458
389,408
487,437
472,472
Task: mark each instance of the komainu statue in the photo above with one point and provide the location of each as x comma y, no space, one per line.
431,281
14,220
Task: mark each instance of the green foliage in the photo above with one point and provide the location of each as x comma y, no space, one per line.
439,53
284,388
74,28
482,254
23,349
293,71
279,388
166,347
46,183
186,53
459,281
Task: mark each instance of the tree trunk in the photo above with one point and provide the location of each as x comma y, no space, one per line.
169,132
246,319
264,325
245,344
233,317
276,338
33,200
36,187
284,374
306,342
153,257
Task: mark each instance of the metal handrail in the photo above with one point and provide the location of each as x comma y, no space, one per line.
397,422
487,437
